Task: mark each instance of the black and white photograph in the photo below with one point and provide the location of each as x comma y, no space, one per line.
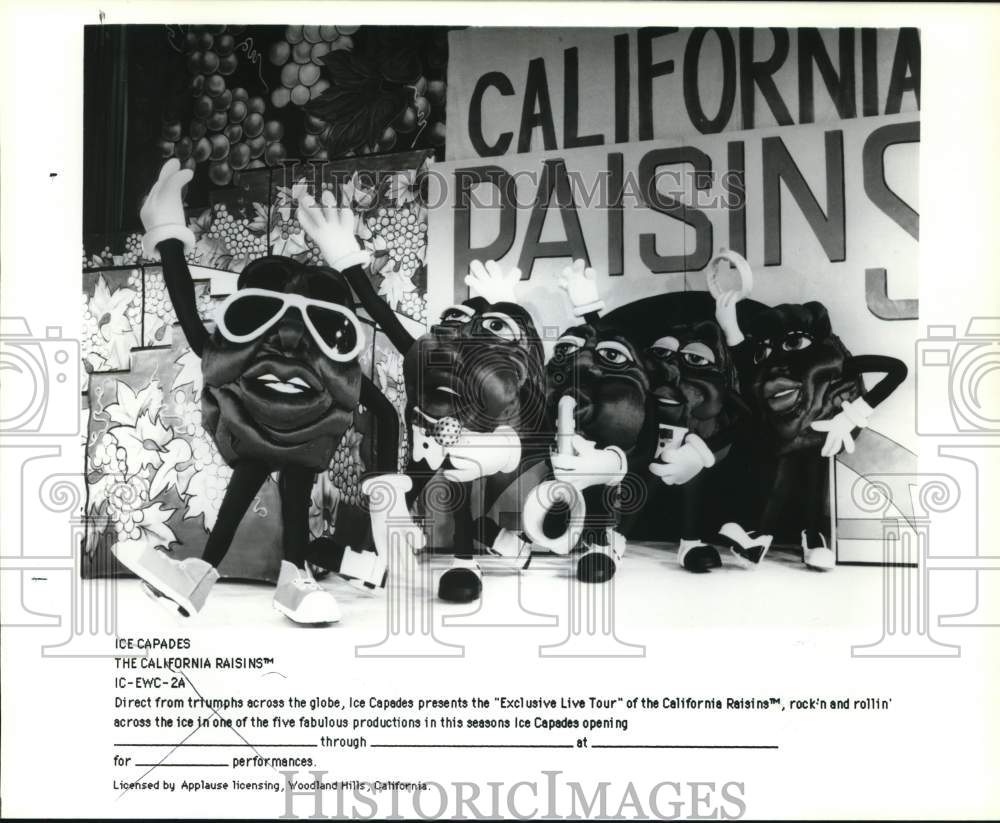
499,410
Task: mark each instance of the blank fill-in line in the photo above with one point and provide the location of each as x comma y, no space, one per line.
186,765
225,745
668,746
472,746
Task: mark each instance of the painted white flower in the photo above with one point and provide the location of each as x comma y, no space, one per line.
115,328
395,286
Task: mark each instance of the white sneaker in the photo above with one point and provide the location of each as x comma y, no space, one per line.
184,582
301,599
817,557
510,545
365,571
748,548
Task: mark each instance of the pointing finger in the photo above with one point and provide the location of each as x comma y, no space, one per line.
172,185
306,219
169,168
329,201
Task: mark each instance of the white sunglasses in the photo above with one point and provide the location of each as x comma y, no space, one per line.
248,313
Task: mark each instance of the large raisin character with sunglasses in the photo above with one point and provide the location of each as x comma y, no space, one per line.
281,383
808,393
474,403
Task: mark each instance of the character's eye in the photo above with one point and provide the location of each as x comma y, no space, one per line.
614,353
762,352
568,346
457,314
796,341
698,354
334,327
502,326
247,313
695,359
665,346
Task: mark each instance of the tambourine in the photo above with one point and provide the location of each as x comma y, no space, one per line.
742,268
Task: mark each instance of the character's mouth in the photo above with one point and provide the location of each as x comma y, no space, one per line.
668,396
440,397
295,385
273,377
782,395
426,420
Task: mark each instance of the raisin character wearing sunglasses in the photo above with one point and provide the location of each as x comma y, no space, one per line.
281,383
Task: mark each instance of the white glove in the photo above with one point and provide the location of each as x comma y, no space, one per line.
162,212
578,282
480,454
589,465
332,230
491,282
425,447
681,464
838,429
725,316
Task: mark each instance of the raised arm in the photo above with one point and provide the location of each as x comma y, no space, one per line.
386,427
725,316
331,228
489,281
378,309
180,287
578,282
162,216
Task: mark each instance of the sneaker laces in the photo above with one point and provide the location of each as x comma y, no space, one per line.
306,584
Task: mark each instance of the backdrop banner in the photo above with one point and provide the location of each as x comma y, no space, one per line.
544,89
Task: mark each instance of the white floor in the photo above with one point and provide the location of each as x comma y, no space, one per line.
650,589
